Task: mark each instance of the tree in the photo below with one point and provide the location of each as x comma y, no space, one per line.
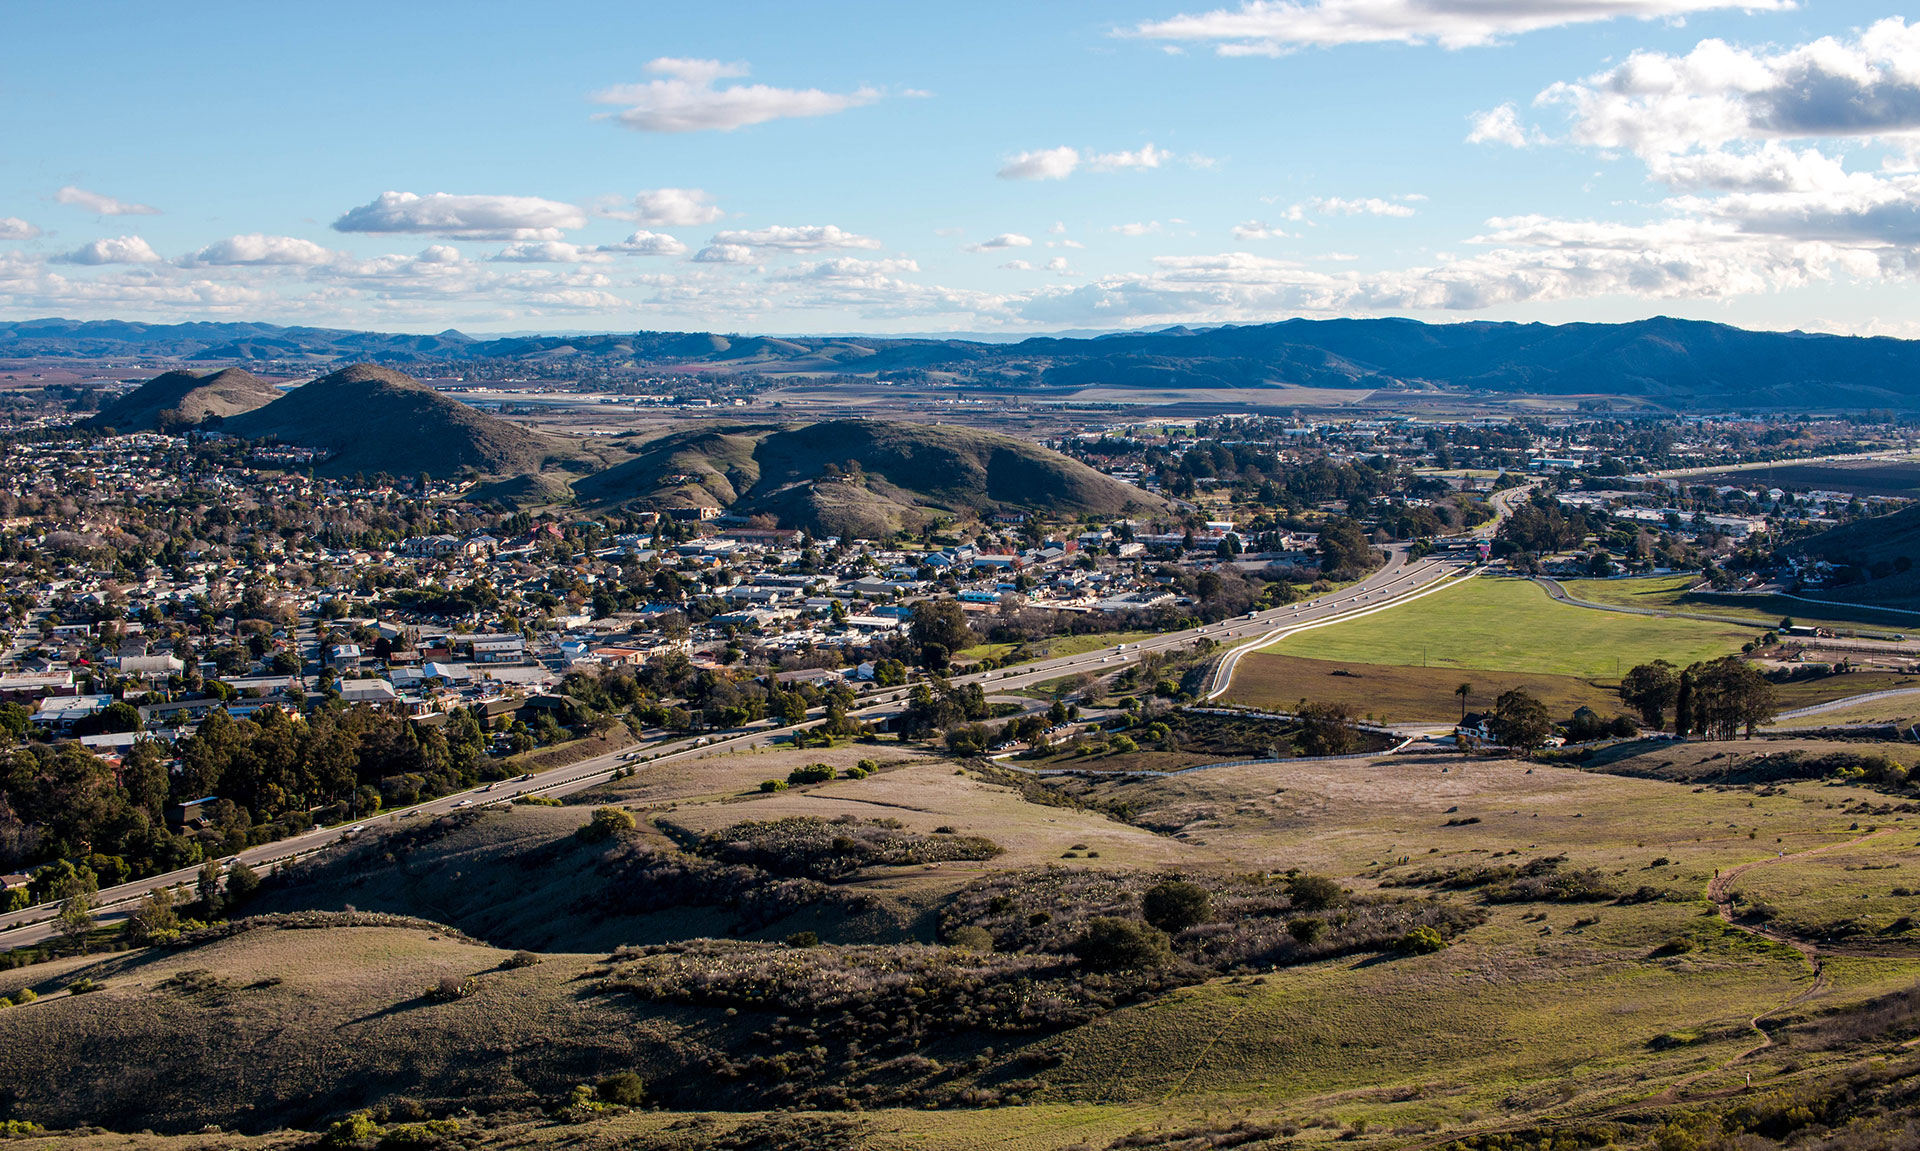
207,889
942,623
1326,729
1651,688
1174,905
1520,720
1463,691
154,920
1315,893
1683,705
243,883
624,1089
606,823
1729,695
75,919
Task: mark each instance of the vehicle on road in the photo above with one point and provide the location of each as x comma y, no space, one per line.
463,803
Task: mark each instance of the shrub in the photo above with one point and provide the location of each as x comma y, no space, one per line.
803,939
1316,893
773,785
1175,905
1111,944
1307,931
624,1089
971,938
536,801
25,995
83,987
606,823
408,1136
519,959
811,773
355,1130
1422,940
453,987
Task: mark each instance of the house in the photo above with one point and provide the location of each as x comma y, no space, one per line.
151,667
192,812
369,691
343,656
59,713
14,881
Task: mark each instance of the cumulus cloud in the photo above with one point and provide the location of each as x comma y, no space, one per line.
14,228
1137,228
101,205
1016,266
114,250
1717,94
1147,157
669,208
1003,240
259,250
464,217
847,268
1276,27
1497,126
644,243
724,254
688,98
805,238
548,252
1048,164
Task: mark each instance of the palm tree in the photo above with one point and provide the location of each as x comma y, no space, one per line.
1463,691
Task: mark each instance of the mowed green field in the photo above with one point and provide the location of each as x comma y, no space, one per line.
1512,625
1669,593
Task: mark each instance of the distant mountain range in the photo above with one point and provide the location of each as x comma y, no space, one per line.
1681,363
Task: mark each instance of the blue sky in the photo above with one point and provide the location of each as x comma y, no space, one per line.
990,167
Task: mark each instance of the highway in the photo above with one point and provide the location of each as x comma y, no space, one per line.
1397,581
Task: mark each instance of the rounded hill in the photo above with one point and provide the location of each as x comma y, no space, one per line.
184,399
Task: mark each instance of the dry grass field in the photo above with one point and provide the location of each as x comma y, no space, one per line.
1612,994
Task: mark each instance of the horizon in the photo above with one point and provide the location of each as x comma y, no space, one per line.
1148,164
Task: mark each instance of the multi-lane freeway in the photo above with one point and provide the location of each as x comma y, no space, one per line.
1399,580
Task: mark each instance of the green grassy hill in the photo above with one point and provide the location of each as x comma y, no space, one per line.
860,477
180,399
374,419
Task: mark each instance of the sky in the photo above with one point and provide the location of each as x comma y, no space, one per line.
990,167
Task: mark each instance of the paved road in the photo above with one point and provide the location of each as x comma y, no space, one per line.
1396,581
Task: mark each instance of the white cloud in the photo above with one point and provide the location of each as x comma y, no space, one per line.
1718,94
724,254
645,243
115,250
1257,230
256,249
548,252
1057,228
1336,206
847,268
1146,157
687,99
101,205
464,217
806,238
1058,266
1136,228
1275,27
14,228
1016,266
1499,126
1049,164
669,208
1003,240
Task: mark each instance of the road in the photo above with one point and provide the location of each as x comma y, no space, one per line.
1395,582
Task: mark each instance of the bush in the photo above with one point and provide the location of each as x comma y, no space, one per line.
625,1089
971,938
606,823
1307,931
812,773
803,939
773,785
1175,905
1421,940
355,1130
1112,944
83,987
1316,893
25,995
453,987
536,801
519,959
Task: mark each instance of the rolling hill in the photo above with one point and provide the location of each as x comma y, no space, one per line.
372,419
183,398
1674,362
859,477
1877,557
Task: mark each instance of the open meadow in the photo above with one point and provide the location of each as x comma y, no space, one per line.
1582,973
